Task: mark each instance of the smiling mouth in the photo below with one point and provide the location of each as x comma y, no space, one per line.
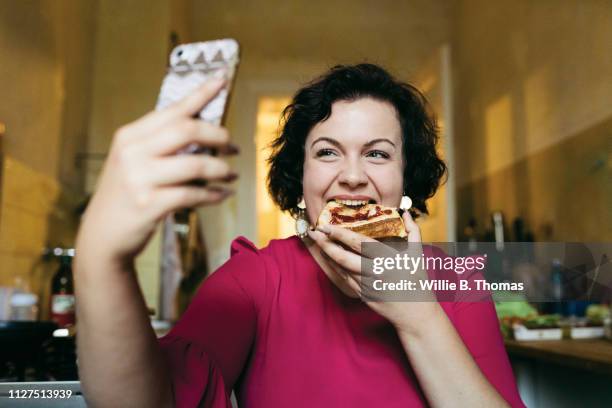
352,203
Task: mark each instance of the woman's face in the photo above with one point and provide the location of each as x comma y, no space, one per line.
356,154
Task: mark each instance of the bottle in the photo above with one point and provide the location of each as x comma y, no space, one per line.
497,267
62,299
498,230
556,278
471,235
194,258
24,307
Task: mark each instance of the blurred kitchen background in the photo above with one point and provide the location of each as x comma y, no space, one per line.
522,90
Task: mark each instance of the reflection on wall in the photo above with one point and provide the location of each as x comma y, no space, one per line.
563,192
533,103
272,223
433,80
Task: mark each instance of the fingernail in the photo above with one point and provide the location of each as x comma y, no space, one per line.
231,176
232,149
324,229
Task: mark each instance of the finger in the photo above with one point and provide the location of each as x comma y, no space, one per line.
351,279
364,291
178,135
355,241
195,101
228,150
337,269
354,285
413,230
182,168
349,238
174,198
344,258
186,107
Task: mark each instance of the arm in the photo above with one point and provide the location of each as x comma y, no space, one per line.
119,361
142,181
445,368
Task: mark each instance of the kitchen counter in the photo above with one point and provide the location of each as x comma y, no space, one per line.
593,355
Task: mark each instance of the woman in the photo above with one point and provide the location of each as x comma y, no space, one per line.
284,325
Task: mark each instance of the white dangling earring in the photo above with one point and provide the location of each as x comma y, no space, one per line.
301,223
406,203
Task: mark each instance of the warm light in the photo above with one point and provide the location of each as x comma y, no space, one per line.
271,222
499,145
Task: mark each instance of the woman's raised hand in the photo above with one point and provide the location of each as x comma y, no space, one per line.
342,251
144,179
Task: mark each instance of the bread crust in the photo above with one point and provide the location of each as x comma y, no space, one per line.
386,228
382,226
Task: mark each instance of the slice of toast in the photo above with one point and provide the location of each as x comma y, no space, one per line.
373,220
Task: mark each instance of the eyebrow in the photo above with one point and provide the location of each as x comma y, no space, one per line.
326,139
337,144
373,142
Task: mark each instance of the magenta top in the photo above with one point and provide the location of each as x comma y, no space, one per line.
270,325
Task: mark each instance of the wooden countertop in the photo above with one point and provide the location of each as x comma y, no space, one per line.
594,355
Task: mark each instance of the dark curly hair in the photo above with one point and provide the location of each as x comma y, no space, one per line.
313,104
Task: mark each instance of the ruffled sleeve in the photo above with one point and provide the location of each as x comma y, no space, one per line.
206,351
196,381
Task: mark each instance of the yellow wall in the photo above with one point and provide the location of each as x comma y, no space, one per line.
77,70
132,46
287,43
45,76
529,75
71,72
272,223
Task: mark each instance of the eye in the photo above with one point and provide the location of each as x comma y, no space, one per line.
378,154
325,152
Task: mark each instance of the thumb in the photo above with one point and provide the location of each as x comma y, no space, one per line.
196,100
413,230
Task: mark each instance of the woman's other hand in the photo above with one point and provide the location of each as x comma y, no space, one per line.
144,178
342,251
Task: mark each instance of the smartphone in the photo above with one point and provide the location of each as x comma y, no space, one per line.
193,64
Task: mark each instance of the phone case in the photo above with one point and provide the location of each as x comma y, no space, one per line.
193,64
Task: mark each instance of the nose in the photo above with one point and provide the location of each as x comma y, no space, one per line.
352,175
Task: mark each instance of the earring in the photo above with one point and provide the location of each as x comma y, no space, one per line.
301,223
406,203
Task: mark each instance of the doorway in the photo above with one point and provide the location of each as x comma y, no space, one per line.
271,222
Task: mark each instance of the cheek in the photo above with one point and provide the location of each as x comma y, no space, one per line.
318,177
389,183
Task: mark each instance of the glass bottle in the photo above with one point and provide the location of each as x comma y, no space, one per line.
62,307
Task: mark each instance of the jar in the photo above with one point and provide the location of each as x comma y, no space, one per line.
24,307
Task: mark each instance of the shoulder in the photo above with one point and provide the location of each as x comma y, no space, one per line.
286,252
276,251
246,261
258,270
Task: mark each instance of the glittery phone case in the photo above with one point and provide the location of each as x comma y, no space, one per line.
193,64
